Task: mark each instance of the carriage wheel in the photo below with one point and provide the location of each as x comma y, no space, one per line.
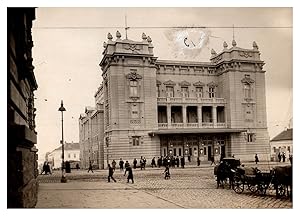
280,191
238,185
262,189
253,187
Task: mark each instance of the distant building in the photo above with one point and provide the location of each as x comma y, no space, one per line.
72,154
189,109
91,134
282,143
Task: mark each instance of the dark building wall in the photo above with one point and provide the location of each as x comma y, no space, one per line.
22,168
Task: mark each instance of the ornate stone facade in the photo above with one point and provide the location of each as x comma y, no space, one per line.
189,109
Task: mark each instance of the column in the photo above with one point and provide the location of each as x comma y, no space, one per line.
184,115
199,114
214,116
169,115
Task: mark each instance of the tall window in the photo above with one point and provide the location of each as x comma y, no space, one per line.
170,91
211,92
136,140
185,91
199,92
247,90
133,88
157,90
250,137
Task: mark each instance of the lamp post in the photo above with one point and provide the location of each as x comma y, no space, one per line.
62,109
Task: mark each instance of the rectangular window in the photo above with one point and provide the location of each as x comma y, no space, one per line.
250,137
180,152
174,151
170,91
185,91
205,151
199,92
211,92
247,91
133,88
74,155
69,155
136,140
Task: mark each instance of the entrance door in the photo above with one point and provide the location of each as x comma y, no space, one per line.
222,151
209,153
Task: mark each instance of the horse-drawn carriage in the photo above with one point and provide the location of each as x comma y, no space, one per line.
229,172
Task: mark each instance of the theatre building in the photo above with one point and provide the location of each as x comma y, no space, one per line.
190,109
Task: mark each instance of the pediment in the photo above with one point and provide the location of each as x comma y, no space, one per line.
212,84
170,83
199,84
184,83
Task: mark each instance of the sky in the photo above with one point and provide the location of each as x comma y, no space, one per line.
68,45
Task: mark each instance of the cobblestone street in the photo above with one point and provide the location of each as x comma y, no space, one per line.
192,187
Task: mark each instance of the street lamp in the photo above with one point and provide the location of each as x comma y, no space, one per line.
62,109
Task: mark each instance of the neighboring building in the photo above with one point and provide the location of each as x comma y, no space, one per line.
91,134
282,143
182,108
22,167
72,154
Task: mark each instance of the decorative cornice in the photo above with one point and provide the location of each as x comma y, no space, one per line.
184,83
170,83
199,84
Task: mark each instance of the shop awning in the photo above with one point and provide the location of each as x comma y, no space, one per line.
197,131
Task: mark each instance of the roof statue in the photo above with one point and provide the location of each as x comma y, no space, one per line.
225,45
109,36
255,45
149,39
233,43
213,52
118,35
144,37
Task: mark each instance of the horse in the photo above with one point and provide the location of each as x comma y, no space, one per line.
223,172
283,180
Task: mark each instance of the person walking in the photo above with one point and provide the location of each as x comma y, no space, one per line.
134,163
121,163
126,164
44,168
167,172
110,173
198,161
291,159
144,162
283,157
153,162
256,159
177,161
141,162
77,166
159,162
90,167
182,162
113,164
130,174
279,157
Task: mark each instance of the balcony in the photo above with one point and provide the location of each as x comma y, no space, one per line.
191,100
163,125
192,125
207,125
177,125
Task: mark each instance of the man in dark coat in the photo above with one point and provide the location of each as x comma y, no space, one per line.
279,157
110,173
177,161
182,162
121,163
130,174
134,163
198,161
153,162
91,167
126,164
256,158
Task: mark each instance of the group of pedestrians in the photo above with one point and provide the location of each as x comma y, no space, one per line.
128,170
46,168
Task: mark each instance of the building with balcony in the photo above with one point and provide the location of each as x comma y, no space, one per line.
188,109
